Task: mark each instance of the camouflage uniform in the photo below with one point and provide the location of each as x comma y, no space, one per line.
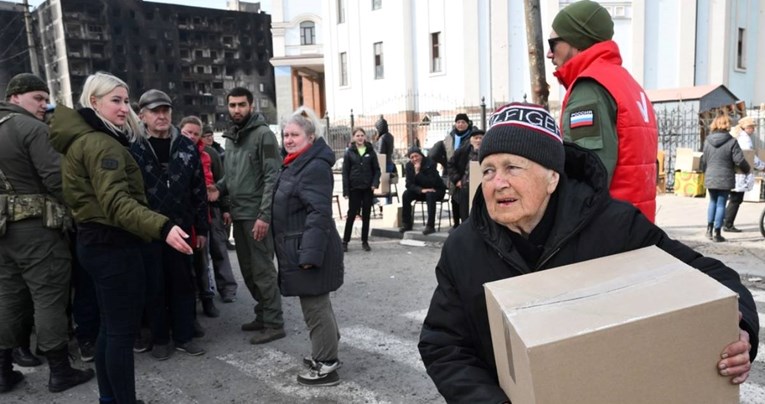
34,259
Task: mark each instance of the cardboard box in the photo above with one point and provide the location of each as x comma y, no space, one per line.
761,155
689,184
687,160
391,216
661,184
475,179
384,188
637,327
757,194
749,157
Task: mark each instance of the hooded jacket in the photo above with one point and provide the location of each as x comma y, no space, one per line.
26,157
178,192
455,342
302,225
385,143
251,165
721,156
360,172
102,183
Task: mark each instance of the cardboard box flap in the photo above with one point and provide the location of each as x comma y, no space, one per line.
579,299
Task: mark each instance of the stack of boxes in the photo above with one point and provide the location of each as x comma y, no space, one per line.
689,180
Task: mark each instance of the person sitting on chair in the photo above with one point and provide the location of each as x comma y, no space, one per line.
423,183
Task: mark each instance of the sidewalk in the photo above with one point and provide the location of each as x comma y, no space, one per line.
683,218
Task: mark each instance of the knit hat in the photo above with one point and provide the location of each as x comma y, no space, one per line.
526,130
207,129
462,117
381,125
583,24
25,83
414,149
153,99
477,132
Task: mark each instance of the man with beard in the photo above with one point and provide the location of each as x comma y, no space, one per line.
252,163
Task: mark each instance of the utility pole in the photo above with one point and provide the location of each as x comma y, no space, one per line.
540,90
31,41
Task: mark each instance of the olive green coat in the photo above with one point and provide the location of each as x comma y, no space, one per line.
102,183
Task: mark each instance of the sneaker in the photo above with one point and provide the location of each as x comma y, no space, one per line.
190,348
199,331
365,246
731,229
230,246
87,351
308,362
141,344
345,246
208,307
23,357
254,325
268,334
320,374
429,230
161,352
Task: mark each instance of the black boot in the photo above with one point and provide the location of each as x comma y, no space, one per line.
208,307
23,357
62,375
9,378
718,237
709,231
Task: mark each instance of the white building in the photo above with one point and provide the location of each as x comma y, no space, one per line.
412,57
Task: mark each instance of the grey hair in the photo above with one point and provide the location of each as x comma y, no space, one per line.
307,120
98,85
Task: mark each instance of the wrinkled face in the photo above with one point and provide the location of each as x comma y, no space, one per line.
461,125
415,158
560,51
114,106
157,120
239,109
516,190
207,138
35,102
295,138
359,138
475,141
192,131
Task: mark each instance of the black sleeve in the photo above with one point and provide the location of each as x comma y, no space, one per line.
447,350
410,179
438,153
376,171
346,173
455,167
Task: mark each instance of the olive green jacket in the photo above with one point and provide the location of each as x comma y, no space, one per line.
251,166
102,183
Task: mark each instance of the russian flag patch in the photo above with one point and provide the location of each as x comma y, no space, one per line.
582,118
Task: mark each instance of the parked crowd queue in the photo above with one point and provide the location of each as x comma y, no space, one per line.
127,214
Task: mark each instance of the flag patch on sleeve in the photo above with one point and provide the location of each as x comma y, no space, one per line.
582,118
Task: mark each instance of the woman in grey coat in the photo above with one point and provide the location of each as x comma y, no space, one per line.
306,240
722,155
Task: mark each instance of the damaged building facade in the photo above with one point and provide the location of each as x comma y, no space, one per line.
194,54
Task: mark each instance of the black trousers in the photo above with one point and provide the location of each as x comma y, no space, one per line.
430,199
734,202
358,199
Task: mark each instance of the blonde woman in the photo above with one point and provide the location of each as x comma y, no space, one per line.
103,187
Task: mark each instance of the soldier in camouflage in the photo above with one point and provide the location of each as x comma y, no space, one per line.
34,255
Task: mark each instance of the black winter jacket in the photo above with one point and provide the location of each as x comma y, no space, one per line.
455,342
302,225
360,172
721,155
427,177
458,166
179,192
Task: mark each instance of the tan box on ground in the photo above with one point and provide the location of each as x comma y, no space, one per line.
749,157
637,327
475,179
687,160
391,216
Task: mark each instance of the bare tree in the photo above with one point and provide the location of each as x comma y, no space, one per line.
540,90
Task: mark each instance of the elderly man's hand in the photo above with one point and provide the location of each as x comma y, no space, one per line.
735,362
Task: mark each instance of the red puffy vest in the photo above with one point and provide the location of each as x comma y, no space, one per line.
634,178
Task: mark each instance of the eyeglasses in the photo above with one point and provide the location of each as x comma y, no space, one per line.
552,42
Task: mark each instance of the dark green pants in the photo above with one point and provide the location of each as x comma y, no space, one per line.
256,261
34,262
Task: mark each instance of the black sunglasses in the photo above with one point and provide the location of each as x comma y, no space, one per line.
552,42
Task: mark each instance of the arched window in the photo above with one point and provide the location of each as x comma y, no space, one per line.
307,33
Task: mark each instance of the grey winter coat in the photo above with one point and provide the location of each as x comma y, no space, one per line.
722,155
302,225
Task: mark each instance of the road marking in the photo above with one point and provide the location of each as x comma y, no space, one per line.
278,371
412,243
163,390
371,340
751,393
418,316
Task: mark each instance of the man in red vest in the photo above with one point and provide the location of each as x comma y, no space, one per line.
605,109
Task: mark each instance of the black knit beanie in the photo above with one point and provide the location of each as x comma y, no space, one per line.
526,130
414,149
462,117
583,24
25,83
